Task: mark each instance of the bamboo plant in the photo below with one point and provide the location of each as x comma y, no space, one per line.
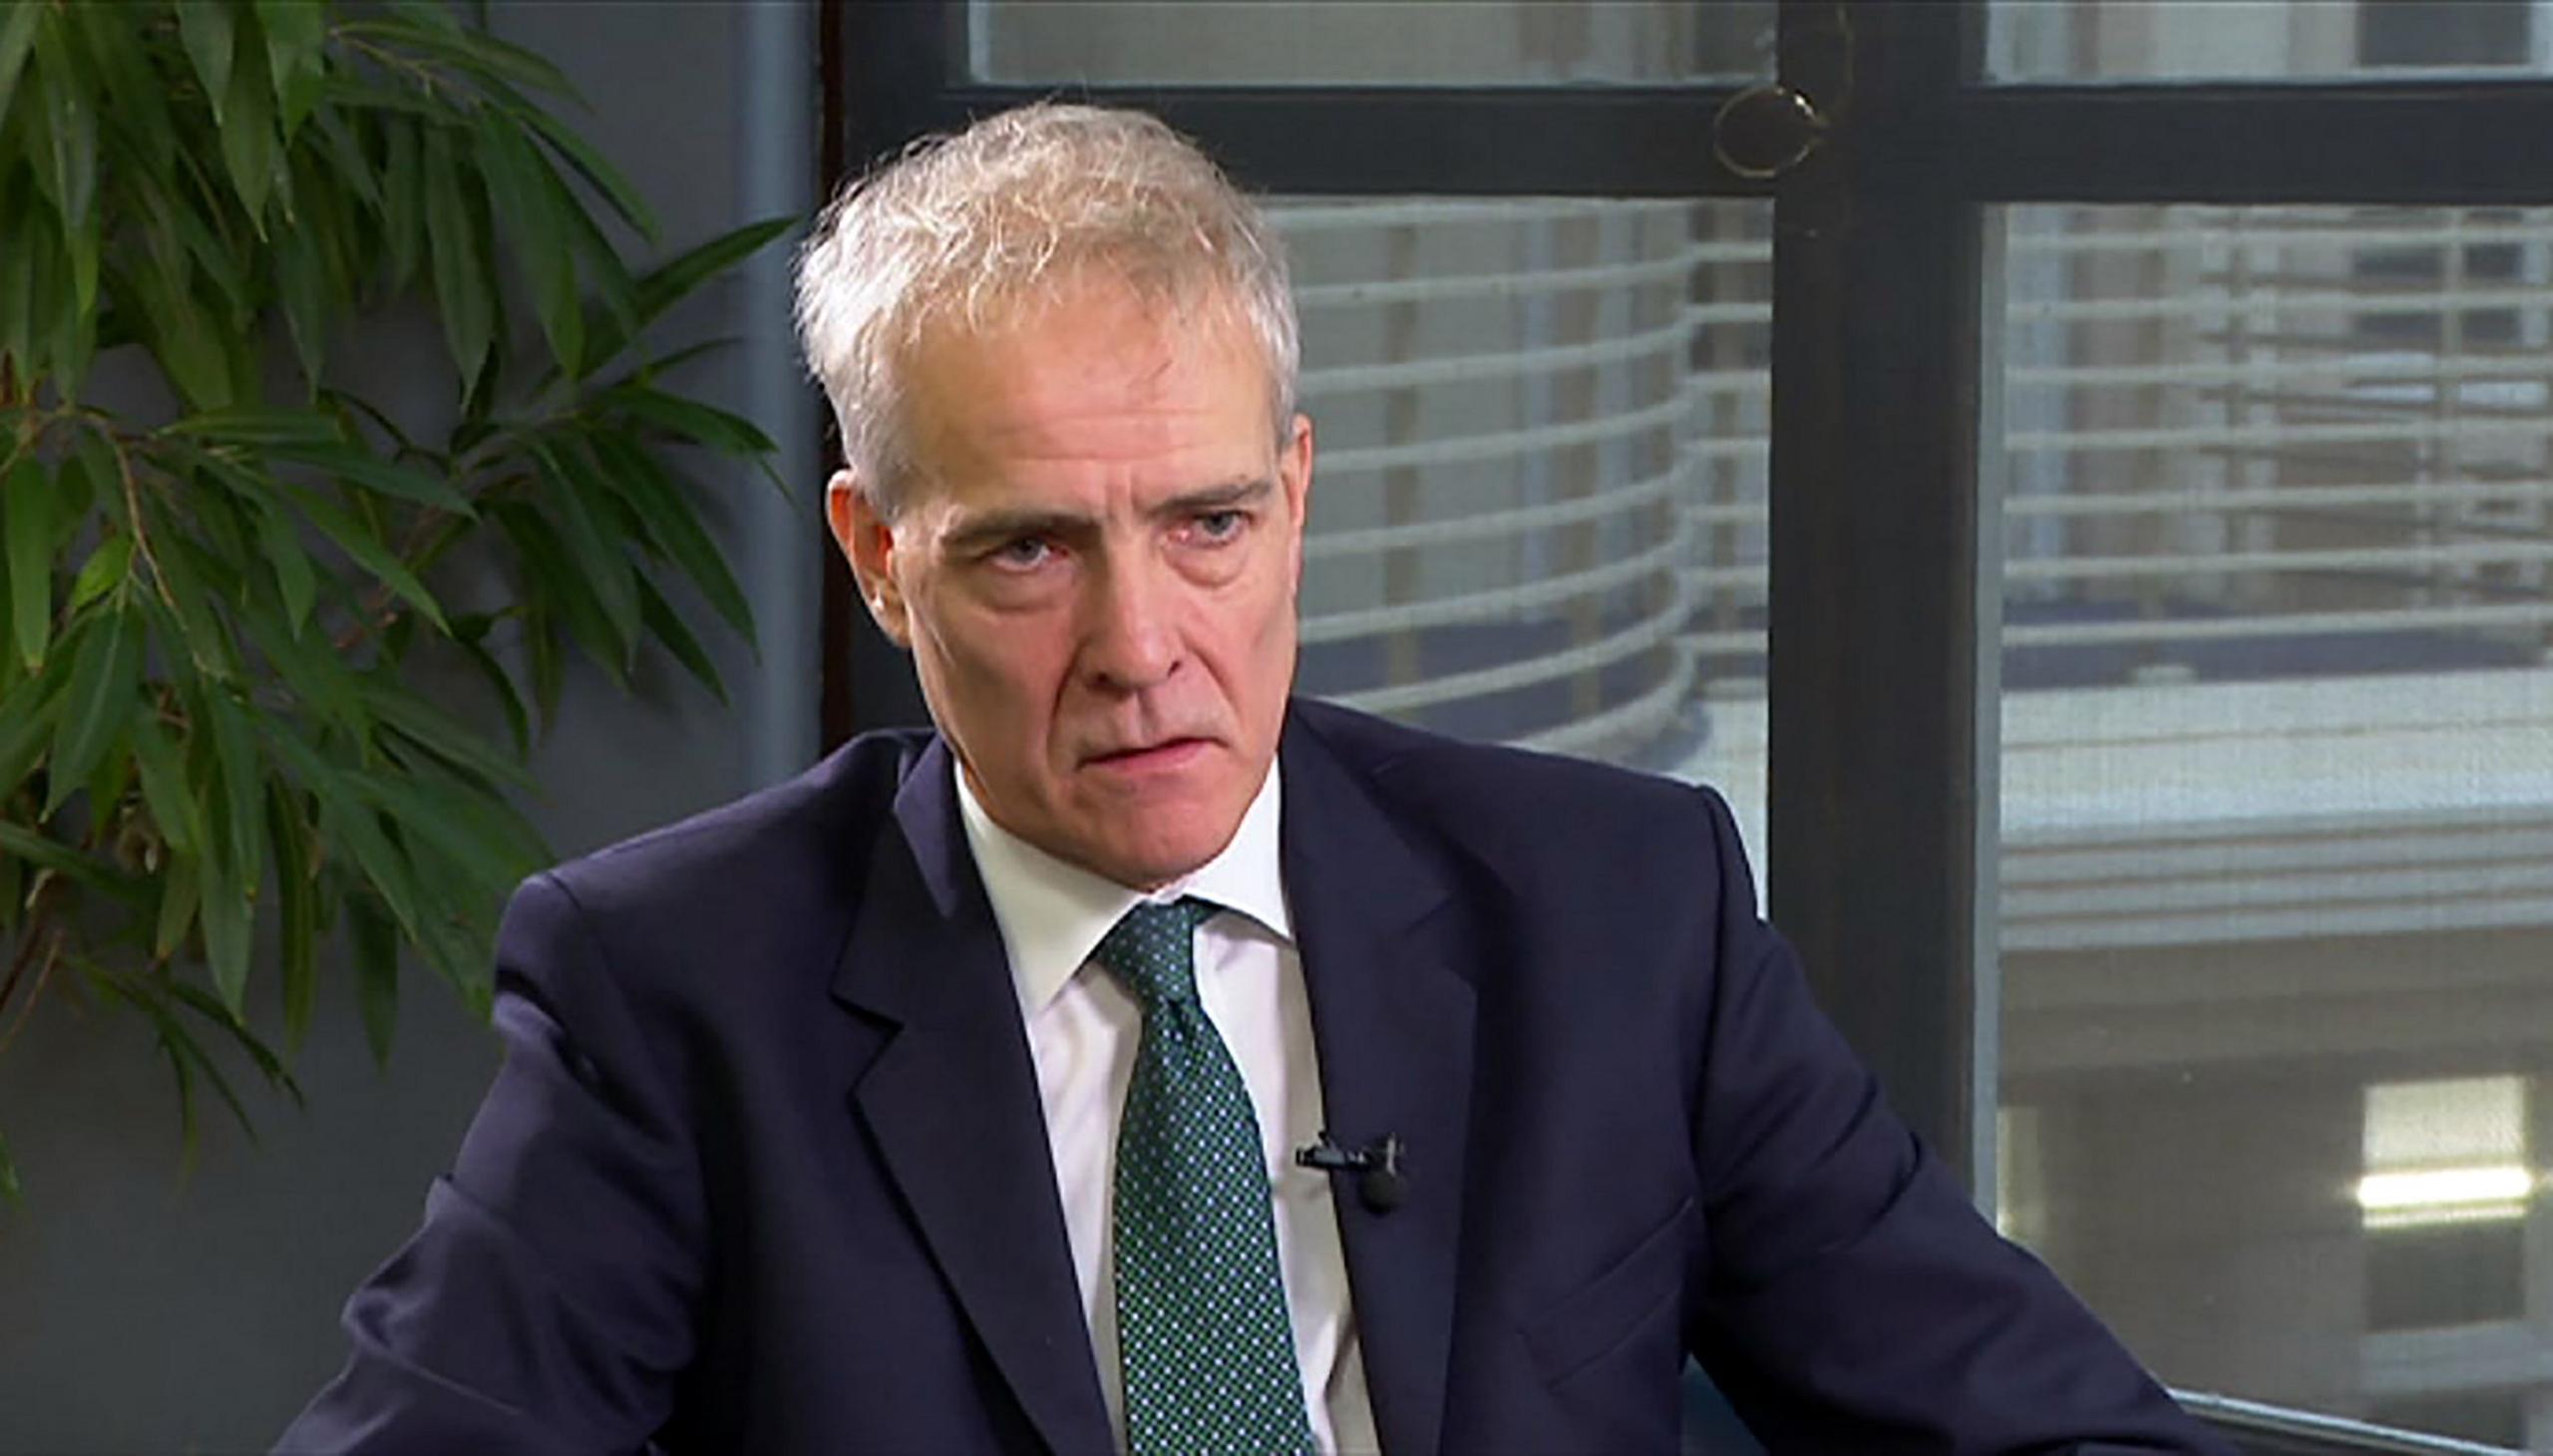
227,573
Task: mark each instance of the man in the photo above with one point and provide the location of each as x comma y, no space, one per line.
952,1097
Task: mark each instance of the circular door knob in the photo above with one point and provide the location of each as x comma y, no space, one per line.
1765,130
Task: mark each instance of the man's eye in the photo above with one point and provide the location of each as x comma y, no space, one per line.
1027,551
1220,525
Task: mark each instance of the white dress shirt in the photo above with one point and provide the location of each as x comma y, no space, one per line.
1083,1028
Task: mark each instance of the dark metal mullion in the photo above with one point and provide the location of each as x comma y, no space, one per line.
2369,143
1877,680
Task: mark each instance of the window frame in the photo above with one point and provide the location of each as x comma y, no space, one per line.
1885,604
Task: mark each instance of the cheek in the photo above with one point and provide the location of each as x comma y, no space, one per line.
1259,638
1003,670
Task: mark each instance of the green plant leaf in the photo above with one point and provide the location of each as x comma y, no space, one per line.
501,685
591,166
403,199
672,282
660,289
13,891
359,541
235,1028
596,553
205,29
521,192
75,486
447,738
258,426
363,468
225,913
669,629
606,273
105,567
242,777
295,30
28,515
357,92
139,117
551,578
39,251
249,146
189,607
654,494
27,715
104,693
181,896
345,823
150,995
110,781
376,953
192,350
461,284
69,172
176,1046
433,16
17,35
549,670
482,55
691,420
348,405
164,785
474,847
316,676
18,303
71,865
301,288
279,540
296,911
169,231
346,155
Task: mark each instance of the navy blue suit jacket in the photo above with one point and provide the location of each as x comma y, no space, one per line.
764,1168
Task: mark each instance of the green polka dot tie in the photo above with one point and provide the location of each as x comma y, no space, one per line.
1203,1341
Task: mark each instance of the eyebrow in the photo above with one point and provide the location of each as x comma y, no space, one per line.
994,527
1218,497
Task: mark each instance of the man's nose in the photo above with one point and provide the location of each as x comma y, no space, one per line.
1132,640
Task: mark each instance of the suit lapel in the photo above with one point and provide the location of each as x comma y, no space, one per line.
952,1102
1392,1024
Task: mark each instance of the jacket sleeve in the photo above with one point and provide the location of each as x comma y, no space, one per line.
545,1304
1847,1296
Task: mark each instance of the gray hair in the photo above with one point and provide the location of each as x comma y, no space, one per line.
968,226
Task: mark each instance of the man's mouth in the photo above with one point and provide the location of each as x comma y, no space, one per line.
1165,753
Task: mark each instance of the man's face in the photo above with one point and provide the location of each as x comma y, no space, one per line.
1094,564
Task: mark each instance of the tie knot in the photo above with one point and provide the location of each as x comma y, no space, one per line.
1152,949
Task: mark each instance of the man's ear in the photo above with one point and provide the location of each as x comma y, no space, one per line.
868,542
1294,476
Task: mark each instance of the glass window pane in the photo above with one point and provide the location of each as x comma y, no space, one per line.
1538,503
2277,833
2252,39
1408,43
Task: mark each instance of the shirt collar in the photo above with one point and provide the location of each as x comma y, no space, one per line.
1053,915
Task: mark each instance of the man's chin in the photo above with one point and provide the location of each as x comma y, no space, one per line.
1156,854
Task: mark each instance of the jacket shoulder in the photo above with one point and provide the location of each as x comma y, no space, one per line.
1567,840
786,822
1489,793
770,879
